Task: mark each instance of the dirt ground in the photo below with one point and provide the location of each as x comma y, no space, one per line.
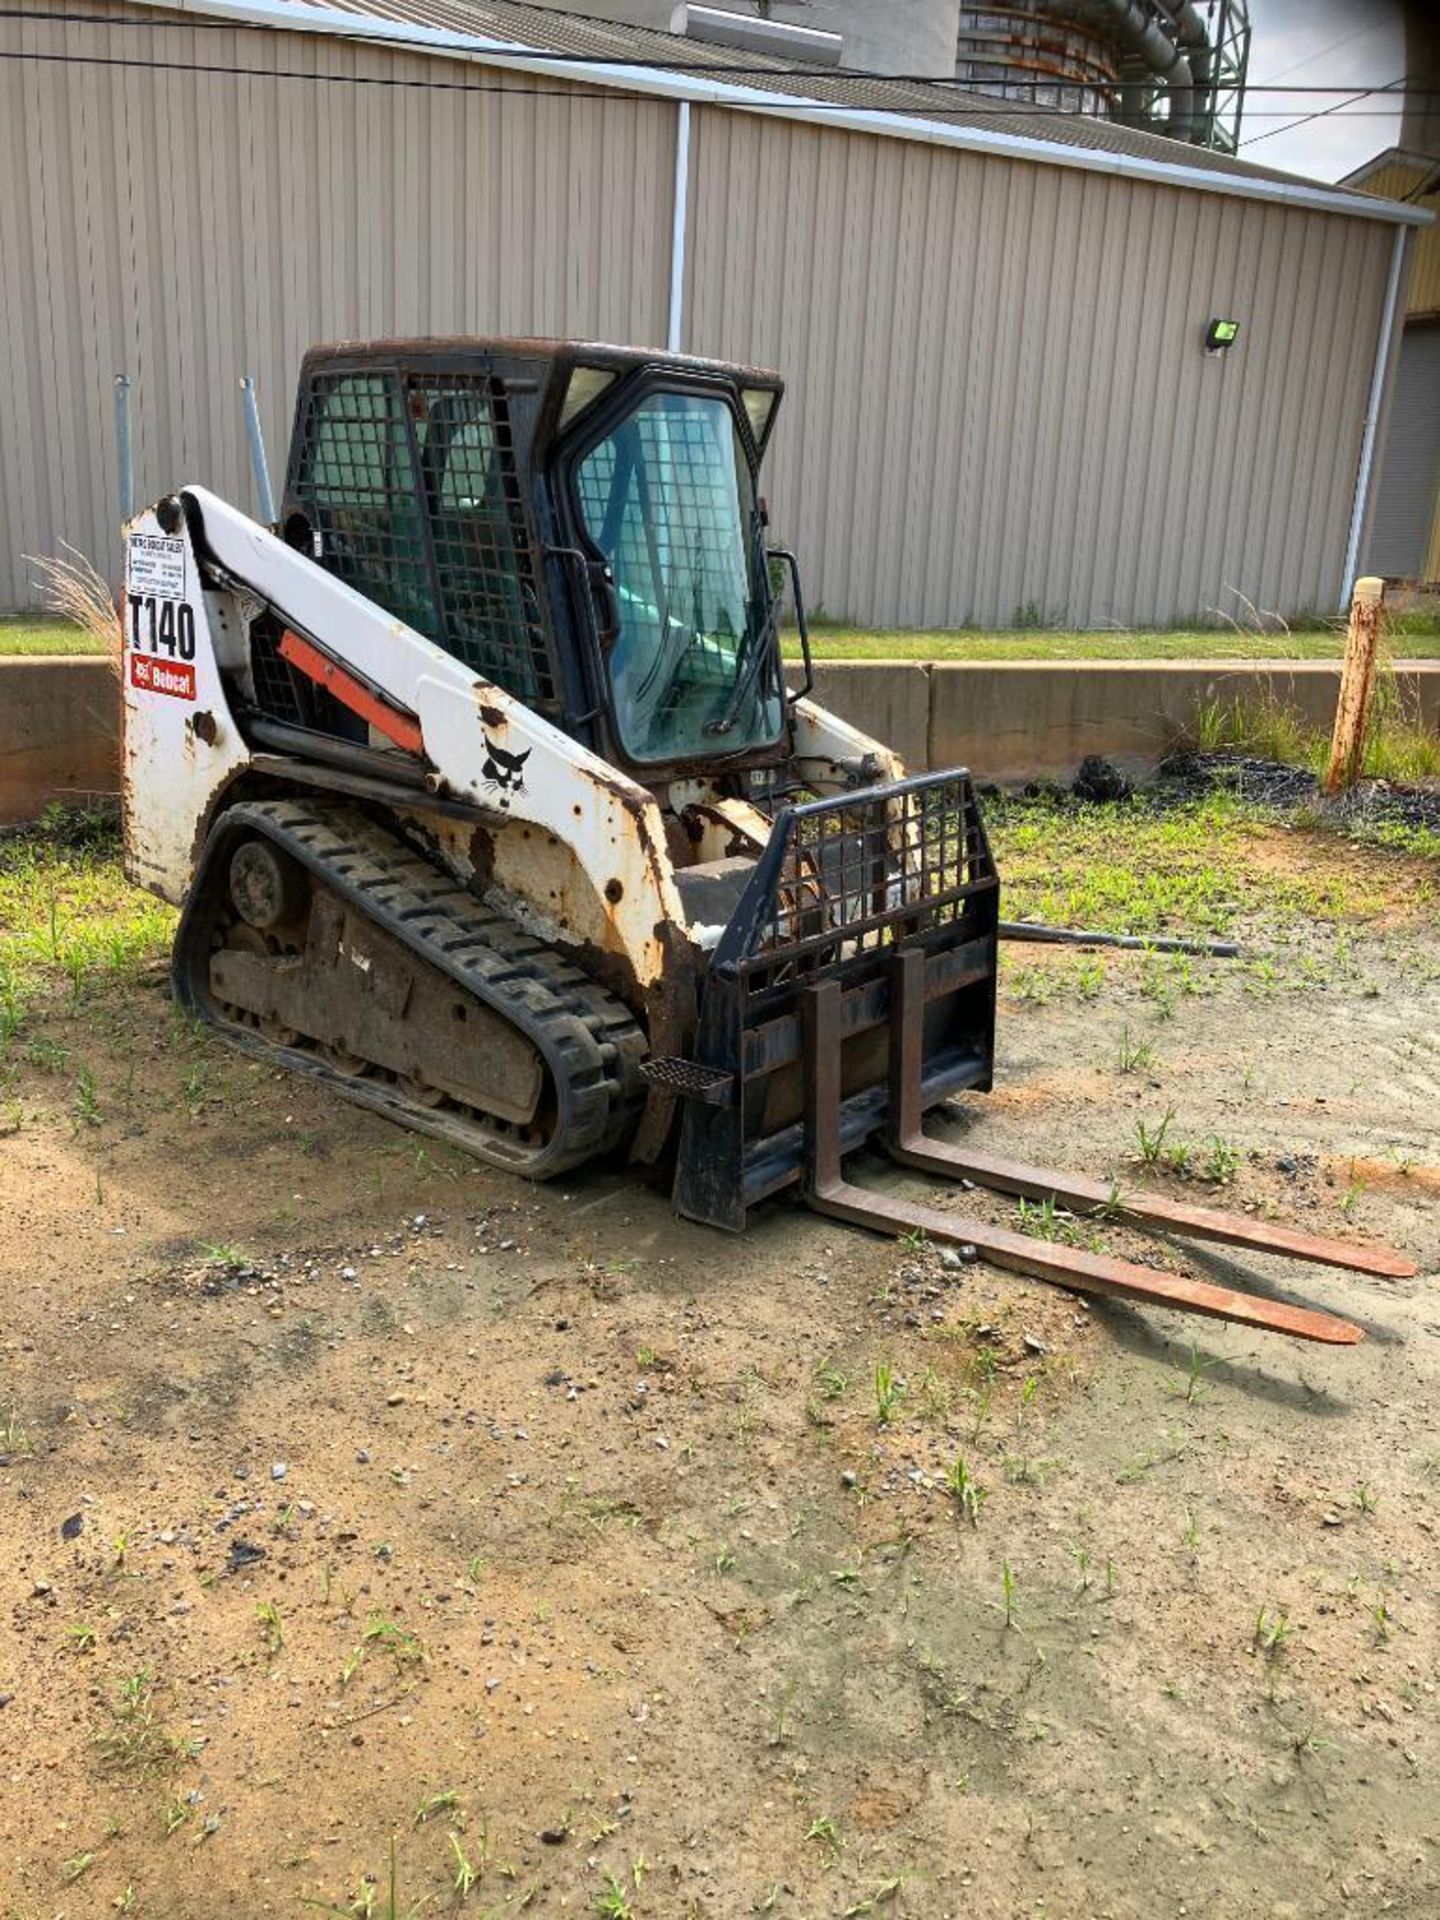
350,1491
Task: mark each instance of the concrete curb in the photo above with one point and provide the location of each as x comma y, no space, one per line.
1005,720
59,733
1038,719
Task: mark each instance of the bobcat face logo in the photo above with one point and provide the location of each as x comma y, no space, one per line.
502,771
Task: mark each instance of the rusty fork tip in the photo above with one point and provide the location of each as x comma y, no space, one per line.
1337,1333
1385,1264
1294,1323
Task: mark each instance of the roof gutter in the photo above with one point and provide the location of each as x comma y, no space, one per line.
296,16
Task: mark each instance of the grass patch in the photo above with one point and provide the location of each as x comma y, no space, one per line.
1398,745
1195,867
1398,836
69,919
1409,636
32,633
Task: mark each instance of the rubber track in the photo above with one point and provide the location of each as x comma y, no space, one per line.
586,1036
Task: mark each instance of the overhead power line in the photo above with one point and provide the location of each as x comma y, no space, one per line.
759,100
1370,93
346,27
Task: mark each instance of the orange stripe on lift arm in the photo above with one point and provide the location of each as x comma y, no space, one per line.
394,722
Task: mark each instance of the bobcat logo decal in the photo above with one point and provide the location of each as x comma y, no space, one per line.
503,772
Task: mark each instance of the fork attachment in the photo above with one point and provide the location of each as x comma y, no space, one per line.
828,1192
909,1143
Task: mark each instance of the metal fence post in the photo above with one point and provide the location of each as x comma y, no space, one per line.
259,465
123,449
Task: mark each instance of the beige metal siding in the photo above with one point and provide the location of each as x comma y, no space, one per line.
998,402
999,406
191,228
1425,279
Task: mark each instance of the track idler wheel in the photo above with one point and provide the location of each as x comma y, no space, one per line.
267,888
420,1091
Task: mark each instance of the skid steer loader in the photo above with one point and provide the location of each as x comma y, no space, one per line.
481,792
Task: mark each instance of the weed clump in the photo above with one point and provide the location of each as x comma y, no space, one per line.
132,1738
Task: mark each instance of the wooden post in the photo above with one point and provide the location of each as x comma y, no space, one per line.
1357,684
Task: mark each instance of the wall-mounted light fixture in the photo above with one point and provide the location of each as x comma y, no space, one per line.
1221,334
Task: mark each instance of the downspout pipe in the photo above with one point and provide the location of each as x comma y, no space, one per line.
679,231
1379,377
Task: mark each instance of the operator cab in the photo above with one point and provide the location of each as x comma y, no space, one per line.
579,524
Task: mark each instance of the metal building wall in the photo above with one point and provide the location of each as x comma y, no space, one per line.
1400,181
1407,479
884,36
999,407
998,400
191,228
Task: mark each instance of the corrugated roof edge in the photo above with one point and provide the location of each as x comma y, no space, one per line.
296,16
1427,164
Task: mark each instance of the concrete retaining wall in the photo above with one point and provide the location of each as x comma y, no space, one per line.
59,719
1024,720
890,700
59,734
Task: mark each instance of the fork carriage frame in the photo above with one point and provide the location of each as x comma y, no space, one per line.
844,884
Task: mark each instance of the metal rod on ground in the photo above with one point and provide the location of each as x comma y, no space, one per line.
258,463
122,447
1357,685
1040,935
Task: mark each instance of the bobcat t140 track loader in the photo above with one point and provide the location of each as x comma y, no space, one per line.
481,792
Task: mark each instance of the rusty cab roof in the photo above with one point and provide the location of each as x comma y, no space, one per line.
538,368
484,353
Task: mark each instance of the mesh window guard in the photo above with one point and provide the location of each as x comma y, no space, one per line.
445,548
489,594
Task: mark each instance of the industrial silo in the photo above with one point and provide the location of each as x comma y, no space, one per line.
1176,67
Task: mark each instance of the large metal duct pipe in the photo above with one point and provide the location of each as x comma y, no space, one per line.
1085,53
1137,30
1194,37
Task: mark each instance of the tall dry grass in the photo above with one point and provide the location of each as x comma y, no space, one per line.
72,588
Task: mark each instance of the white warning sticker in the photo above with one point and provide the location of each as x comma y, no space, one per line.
155,563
